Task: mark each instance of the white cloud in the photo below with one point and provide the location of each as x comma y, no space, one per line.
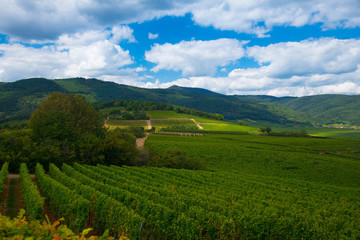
153,35
43,19
323,56
195,58
122,32
88,54
291,69
259,17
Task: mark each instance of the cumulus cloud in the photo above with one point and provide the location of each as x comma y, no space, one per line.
291,69
323,56
88,54
195,58
42,19
153,35
259,17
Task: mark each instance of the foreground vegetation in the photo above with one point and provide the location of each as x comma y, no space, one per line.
21,228
161,203
278,184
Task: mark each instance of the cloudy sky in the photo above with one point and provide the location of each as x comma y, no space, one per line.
280,48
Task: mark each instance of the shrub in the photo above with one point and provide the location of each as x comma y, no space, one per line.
174,158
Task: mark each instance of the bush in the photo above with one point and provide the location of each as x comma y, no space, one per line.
302,133
265,129
174,158
20,228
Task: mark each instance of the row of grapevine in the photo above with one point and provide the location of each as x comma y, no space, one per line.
34,203
213,219
177,202
105,212
63,201
3,176
257,209
160,221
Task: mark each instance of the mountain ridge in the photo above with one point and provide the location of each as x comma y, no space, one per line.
19,98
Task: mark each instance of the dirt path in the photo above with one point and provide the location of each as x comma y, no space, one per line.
140,142
12,197
197,124
149,124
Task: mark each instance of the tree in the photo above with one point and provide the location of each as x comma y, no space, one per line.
265,129
68,127
65,117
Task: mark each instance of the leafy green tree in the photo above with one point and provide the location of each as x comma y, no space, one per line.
65,117
119,148
265,129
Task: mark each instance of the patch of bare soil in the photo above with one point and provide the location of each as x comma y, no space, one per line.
140,142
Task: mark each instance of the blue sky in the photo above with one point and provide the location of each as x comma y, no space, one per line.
280,48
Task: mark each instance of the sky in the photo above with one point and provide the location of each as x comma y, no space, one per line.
245,47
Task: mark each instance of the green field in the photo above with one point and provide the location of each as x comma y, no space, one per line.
228,127
314,131
172,114
126,123
179,125
256,187
327,161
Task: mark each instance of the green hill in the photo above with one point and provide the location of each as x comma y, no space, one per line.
19,99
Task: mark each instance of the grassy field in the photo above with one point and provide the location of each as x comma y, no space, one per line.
172,114
314,131
228,127
175,124
126,123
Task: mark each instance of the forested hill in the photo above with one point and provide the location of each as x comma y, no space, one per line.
321,109
18,99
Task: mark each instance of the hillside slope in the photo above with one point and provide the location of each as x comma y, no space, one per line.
19,99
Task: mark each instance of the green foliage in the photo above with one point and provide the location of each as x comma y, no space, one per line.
265,129
66,129
119,148
3,176
20,98
65,118
135,110
326,161
63,201
21,228
33,202
17,146
183,204
160,222
301,133
105,211
174,158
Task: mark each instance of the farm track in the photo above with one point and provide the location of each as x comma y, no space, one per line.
12,196
140,142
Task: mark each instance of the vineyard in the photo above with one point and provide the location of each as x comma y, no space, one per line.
245,203
255,187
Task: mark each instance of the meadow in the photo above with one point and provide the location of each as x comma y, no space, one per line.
114,123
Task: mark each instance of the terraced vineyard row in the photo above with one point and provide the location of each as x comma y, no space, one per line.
162,203
183,204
